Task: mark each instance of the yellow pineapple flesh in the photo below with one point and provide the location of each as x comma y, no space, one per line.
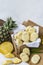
6,47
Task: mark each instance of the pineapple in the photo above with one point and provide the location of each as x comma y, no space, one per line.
9,55
5,29
4,35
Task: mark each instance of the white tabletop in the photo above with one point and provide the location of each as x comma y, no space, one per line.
22,10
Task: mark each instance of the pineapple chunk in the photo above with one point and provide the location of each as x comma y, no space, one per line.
24,57
18,35
16,60
7,62
27,51
19,42
30,29
6,47
33,36
25,36
9,55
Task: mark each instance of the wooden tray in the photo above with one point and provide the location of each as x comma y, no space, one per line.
1,22
27,23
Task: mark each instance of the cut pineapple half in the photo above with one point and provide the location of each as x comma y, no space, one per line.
6,47
9,55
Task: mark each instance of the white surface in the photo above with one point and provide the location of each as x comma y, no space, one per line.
22,10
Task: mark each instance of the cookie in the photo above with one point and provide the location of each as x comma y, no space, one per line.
27,51
25,36
33,36
24,57
35,59
30,29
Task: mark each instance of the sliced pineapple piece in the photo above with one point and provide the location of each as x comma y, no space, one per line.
9,55
27,28
6,47
27,51
19,42
16,60
30,29
33,36
7,62
24,57
18,35
25,36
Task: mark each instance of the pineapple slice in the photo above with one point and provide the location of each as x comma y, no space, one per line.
9,55
27,51
19,42
6,47
25,36
18,35
33,36
16,60
7,62
24,57
30,29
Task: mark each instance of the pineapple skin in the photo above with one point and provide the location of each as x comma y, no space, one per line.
4,35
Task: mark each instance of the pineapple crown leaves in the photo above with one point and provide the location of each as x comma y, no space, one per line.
9,24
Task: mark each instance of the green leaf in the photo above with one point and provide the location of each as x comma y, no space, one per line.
10,24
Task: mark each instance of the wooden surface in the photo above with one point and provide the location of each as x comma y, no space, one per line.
41,61
1,22
27,23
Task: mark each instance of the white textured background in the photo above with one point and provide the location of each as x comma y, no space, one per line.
22,10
